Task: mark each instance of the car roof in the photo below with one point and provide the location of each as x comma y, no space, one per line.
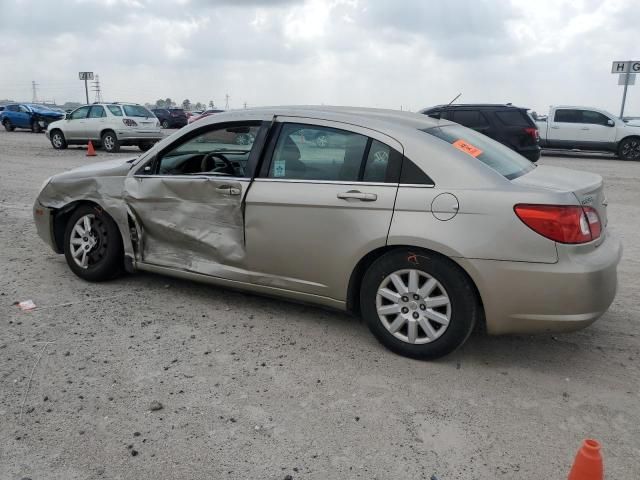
487,106
366,117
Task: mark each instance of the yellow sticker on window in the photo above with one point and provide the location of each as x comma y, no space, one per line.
466,147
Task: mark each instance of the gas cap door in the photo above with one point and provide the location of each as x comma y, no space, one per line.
445,206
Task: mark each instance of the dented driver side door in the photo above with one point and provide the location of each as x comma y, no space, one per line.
186,205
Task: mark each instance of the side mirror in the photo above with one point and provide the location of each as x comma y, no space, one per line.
67,116
611,123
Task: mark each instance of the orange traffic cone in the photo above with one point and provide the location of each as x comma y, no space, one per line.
91,152
588,462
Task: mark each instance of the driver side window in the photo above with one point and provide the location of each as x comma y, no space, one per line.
219,151
80,113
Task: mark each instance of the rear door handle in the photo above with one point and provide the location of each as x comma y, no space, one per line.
555,128
357,195
228,190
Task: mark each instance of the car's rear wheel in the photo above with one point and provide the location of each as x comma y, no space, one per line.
418,304
165,124
8,126
57,140
144,146
35,126
629,149
93,245
110,142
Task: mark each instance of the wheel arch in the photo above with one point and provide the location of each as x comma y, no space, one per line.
355,280
61,218
626,138
108,129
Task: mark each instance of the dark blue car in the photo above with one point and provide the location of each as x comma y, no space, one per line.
28,115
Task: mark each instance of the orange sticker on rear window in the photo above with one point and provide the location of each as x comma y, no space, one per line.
466,147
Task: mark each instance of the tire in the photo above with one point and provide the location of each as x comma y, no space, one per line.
166,124
105,257
445,303
8,126
629,148
144,146
57,140
35,127
110,142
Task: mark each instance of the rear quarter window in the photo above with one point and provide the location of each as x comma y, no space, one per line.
496,156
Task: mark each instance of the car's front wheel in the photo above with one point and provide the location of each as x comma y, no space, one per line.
629,149
93,245
418,304
36,127
8,126
110,142
57,140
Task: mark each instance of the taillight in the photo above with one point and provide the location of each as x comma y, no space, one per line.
561,223
533,132
129,123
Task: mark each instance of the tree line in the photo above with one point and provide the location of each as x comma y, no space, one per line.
186,104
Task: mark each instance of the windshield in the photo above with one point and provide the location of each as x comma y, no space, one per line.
136,111
493,154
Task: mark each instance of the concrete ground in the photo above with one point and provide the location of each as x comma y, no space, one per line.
255,388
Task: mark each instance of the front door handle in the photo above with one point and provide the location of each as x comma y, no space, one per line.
584,128
228,190
555,127
357,195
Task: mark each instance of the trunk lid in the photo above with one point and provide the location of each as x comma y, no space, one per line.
587,187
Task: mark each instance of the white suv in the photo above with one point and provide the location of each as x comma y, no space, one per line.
108,124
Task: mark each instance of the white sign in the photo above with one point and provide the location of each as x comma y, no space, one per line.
622,79
85,75
632,66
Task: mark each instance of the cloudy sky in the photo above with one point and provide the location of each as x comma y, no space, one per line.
382,53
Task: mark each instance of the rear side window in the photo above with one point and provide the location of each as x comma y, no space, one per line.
470,118
97,111
514,118
567,116
382,164
496,156
115,110
596,118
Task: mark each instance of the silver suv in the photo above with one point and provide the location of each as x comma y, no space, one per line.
111,125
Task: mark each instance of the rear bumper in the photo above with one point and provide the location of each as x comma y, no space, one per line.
521,297
531,153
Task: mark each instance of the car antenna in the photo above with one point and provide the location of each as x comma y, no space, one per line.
454,99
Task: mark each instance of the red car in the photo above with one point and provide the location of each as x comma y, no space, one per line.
206,113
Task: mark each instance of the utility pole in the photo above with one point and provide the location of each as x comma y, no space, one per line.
97,90
226,103
34,88
624,93
245,104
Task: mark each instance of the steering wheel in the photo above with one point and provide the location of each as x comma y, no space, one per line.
227,168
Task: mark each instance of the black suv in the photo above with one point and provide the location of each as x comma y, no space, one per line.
171,117
509,125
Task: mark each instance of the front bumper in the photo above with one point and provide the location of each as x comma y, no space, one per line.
522,297
43,218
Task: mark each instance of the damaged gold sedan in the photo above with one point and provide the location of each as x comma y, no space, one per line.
423,227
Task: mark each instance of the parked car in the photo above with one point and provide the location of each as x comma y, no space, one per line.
585,128
204,114
512,126
445,230
28,115
171,117
110,125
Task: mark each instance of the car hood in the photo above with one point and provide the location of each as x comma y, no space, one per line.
110,168
47,113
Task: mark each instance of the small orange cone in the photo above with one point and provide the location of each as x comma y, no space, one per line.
91,152
588,462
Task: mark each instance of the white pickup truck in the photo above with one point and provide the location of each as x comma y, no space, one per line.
586,128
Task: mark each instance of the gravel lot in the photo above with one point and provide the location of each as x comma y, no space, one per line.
255,388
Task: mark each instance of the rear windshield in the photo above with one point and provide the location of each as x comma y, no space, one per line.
136,111
493,154
514,118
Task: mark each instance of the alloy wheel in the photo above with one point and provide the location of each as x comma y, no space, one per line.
413,306
88,242
56,139
631,149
